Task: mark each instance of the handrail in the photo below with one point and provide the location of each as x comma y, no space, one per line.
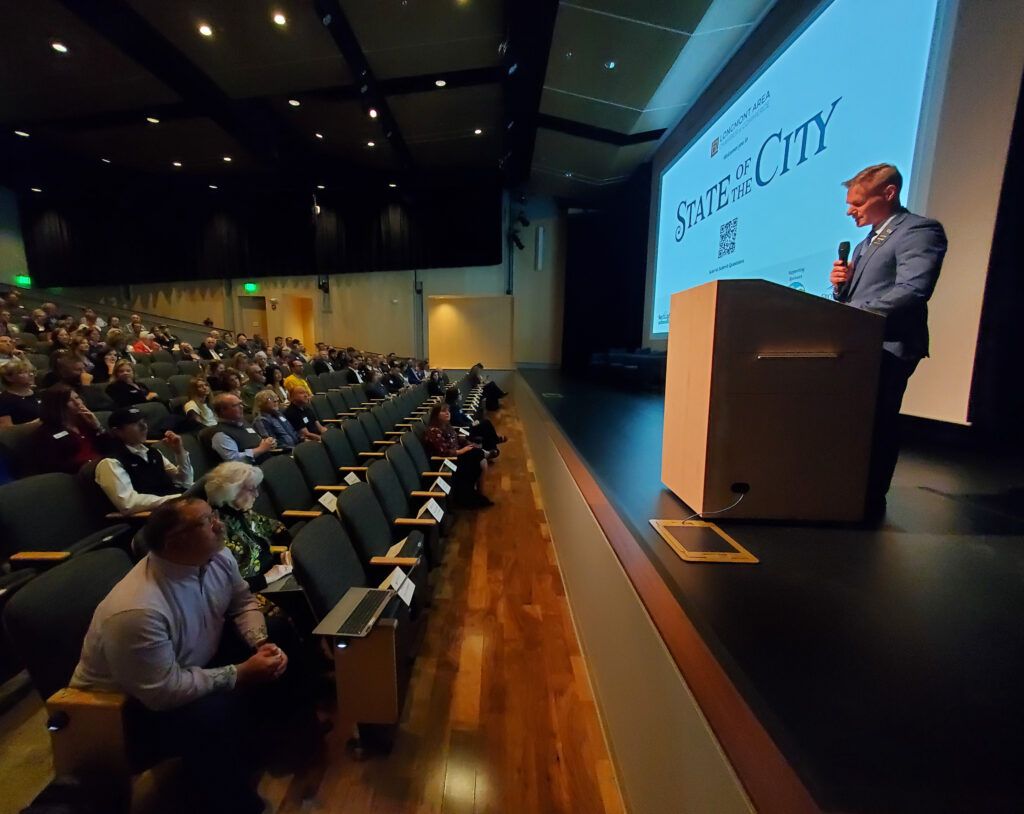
104,309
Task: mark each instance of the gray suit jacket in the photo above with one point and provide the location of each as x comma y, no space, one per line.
895,276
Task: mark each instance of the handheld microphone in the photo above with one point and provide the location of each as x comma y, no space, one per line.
844,251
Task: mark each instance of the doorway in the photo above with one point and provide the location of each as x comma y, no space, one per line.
253,314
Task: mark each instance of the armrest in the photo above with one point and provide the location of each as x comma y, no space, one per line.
352,468
371,454
407,424
415,521
300,513
443,474
277,550
88,737
116,535
394,433
444,457
330,420
346,415
26,558
119,516
330,488
407,562
418,493
384,443
152,441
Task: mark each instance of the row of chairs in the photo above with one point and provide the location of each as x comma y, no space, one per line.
332,552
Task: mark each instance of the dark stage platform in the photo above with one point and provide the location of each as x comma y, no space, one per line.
885,664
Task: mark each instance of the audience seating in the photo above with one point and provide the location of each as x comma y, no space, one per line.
316,465
342,455
400,508
357,438
164,370
293,500
179,382
158,386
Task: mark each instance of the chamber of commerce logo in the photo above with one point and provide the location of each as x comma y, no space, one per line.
714,148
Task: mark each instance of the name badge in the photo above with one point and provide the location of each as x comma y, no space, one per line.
305,419
60,434
250,430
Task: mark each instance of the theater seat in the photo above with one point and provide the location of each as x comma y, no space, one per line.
401,507
47,621
292,499
164,370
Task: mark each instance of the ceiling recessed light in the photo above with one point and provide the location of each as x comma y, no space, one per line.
513,68
36,189
477,132
105,160
610,65
227,158
21,133
205,30
371,144
319,135
373,113
213,186
59,47
567,174
176,163
152,120
440,83
279,18
393,186
294,102
320,186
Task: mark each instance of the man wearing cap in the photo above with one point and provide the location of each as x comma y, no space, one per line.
135,477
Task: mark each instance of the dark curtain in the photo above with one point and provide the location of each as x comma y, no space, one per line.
170,233
605,268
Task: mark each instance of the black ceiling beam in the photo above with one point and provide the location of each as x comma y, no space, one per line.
530,27
254,126
340,29
589,131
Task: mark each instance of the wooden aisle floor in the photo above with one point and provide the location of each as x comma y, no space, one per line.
499,718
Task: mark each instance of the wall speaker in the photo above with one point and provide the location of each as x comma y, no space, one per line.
538,249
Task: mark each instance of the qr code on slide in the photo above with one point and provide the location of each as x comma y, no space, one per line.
727,238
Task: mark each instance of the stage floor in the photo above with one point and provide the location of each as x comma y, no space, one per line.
886,664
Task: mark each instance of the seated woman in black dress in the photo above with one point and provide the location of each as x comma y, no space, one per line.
442,439
124,391
19,403
480,431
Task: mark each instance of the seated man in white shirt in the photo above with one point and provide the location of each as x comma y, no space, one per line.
201,688
137,478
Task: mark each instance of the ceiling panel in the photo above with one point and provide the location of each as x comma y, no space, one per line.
346,131
681,15
585,43
439,126
198,143
38,83
416,37
586,160
248,54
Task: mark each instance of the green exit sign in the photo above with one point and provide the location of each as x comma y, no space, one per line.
251,288
23,280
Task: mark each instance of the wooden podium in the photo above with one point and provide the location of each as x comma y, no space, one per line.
774,388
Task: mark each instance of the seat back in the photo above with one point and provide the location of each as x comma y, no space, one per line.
339,449
398,456
350,397
371,427
365,521
322,407
391,496
285,486
326,563
179,383
155,413
336,402
158,386
417,452
163,356
316,466
48,618
141,369
45,512
96,398
356,436
15,449
190,367
164,369
39,361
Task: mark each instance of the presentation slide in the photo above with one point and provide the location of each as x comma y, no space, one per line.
758,194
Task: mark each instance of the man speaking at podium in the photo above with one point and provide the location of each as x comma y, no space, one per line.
892,272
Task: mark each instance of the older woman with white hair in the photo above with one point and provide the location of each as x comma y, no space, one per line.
231,489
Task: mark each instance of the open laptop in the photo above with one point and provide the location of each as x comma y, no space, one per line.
356,612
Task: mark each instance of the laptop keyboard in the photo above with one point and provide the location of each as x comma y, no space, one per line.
363,613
